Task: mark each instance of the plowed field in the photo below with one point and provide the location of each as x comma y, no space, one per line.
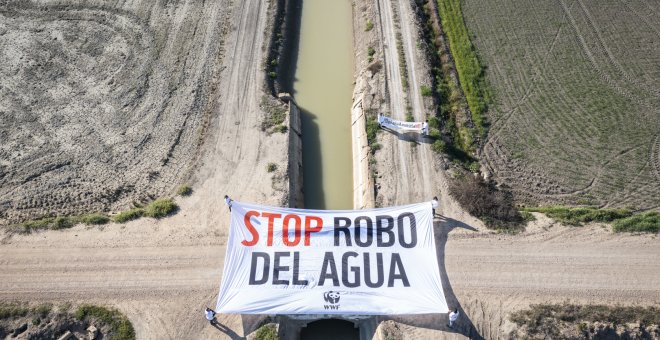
576,118
101,105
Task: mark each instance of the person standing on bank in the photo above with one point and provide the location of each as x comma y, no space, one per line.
434,204
425,128
453,316
210,316
228,202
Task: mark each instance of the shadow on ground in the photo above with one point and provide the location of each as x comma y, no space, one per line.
413,137
442,227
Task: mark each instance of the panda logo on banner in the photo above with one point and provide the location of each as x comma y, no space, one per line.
331,297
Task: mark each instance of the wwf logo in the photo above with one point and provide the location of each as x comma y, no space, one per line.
331,297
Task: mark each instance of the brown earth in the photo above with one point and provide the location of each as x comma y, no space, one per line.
575,115
162,273
102,105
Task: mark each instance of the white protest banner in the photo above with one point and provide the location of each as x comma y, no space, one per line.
399,125
295,261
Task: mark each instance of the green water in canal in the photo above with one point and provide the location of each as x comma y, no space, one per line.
323,88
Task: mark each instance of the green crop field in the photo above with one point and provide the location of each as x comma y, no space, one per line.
575,117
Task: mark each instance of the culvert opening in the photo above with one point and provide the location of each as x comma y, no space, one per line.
330,329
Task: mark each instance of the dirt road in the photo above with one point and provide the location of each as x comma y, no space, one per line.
408,171
162,274
163,277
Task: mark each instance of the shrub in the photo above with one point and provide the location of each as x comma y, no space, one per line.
374,147
121,327
42,310
474,167
434,133
94,219
543,319
62,222
485,201
12,310
439,146
271,167
160,208
184,190
647,222
375,67
43,223
272,75
128,215
372,129
527,216
281,128
275,113
434,123
370,26
266,332
426,91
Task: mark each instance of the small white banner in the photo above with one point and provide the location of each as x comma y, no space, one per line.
399,125
295,261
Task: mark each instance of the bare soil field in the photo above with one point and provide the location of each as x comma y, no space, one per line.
162,273
577,102
102,105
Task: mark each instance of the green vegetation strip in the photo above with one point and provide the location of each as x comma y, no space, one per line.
403,69
184,190
647,222
577,216
266,332
470,72
159,208
15,310
543,316
372,130
122,329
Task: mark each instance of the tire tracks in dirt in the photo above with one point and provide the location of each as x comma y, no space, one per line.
161,273
417,178
603,75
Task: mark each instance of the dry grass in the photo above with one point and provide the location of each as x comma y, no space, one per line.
551,321
577,216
